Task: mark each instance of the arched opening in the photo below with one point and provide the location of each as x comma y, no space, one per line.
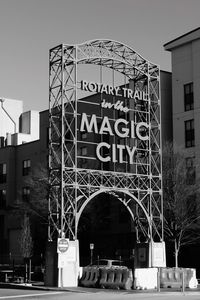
109,224
106,223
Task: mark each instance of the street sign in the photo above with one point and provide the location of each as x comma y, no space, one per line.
63,245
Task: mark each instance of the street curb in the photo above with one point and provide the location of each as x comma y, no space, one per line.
37,287
165,292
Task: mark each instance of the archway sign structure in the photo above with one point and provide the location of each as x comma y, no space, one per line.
108,141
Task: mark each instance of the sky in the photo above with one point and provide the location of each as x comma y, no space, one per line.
29,28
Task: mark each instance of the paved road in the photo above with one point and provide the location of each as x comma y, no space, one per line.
95,295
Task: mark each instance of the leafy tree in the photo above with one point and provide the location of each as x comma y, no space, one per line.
181,199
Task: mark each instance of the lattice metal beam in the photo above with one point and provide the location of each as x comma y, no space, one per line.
71,185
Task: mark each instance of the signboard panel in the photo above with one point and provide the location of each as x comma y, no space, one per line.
158,255
112,126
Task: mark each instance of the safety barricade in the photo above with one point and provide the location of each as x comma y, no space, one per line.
109,278
116,278
178,277
103,277
126,280
90,277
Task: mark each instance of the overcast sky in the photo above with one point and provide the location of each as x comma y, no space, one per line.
29,28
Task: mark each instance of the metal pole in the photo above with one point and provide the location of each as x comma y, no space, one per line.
183,282
62,149
29,279
158,280
91,256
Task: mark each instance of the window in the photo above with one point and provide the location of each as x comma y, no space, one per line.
3,173
26,167
83,151
26,194
2,226
188,96
192,206
190,170
2,199
189,133
83,135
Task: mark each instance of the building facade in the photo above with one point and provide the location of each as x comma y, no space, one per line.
185,55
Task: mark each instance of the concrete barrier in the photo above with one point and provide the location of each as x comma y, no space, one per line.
145,278
109,278
177,277
90,277
103,278
116,278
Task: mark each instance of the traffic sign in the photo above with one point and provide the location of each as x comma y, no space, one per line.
63,245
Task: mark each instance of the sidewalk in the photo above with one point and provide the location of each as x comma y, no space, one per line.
40,286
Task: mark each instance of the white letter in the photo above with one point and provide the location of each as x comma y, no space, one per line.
130,93
104,89
130,153
93,123
137,95
121,148
110,90
84,85
114,153
105,126
92,87
117,91
98,148
132,129
125,130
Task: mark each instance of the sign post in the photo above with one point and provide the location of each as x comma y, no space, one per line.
62,247
91,253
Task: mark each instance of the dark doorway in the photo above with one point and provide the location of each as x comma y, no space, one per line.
106,223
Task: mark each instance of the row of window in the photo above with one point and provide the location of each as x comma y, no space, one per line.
188,96
189,133
26,167
3,173
25,196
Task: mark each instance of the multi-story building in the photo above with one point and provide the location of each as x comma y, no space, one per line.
185,54
185,51
24,147
21,149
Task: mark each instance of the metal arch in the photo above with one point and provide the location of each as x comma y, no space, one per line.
111,45
113,65
111,50
110,191
67,182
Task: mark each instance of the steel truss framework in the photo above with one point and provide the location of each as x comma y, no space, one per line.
72,187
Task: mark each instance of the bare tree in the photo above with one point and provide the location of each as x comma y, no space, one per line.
25,239
181,199
36,208
38,203
26,245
